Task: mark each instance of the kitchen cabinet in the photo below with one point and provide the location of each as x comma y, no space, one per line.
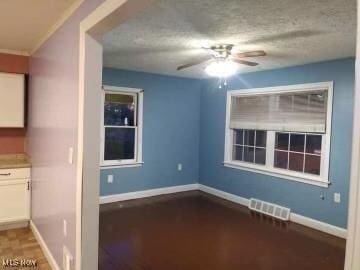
12,100
14,195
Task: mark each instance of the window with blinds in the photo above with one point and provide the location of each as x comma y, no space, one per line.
300,112
284,131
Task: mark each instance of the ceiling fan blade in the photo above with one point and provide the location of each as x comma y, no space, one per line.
194,63
250,54
243,62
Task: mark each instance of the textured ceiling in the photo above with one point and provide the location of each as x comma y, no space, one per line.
24,22
171,33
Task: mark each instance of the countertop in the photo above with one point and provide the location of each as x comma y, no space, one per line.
14,161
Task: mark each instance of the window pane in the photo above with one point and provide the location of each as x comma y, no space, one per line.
260,155
237,153
261,138
281,159
282,141
296,162
249,154
238,134
119,143
313,144
312,164
119,110
249,137
297,142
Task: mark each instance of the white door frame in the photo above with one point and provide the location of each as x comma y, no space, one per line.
352,258
107,16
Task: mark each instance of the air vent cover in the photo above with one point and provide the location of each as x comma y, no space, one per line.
269,209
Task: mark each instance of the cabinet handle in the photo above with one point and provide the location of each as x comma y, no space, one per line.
28,185
5,174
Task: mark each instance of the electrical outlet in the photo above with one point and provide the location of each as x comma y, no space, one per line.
65,227
337,197
110,178
71,155
179,167
67,259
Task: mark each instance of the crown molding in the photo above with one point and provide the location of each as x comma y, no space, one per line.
24,53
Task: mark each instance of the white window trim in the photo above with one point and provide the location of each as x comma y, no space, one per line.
137,161
268,169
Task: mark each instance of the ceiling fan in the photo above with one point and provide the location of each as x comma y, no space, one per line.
223,61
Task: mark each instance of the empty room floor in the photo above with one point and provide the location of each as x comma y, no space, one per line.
194,230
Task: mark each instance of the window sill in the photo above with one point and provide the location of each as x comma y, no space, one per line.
311,180
118,166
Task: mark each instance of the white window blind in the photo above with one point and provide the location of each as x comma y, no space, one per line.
299,112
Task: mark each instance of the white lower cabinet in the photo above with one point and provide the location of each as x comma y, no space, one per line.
14,195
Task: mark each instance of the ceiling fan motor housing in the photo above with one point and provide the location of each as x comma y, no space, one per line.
222,50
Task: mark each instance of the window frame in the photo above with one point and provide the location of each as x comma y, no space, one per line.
138,97
269,169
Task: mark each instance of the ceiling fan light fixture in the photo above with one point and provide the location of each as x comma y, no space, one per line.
222,69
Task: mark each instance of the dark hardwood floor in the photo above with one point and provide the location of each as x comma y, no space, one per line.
196,231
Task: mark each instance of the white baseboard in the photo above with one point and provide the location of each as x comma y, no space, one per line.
146,193
224,195
53,264
14,225
318,225
308,222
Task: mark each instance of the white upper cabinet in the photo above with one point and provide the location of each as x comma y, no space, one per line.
12,100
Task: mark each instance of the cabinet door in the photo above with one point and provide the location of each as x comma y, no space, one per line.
12,100
14,200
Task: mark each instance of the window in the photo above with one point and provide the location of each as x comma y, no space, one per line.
298,152
281,131
249,146
121,133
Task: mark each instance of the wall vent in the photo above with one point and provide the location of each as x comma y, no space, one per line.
269,209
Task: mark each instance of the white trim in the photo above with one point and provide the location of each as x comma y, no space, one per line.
296,218
224,195
146,193
117,89
318,225
15,52
352,258
308,222
50,258
305,87
80,151
268,168
63,18
14,225
129,165
138,95
107,15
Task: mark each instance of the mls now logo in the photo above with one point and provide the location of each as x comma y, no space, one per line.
19,263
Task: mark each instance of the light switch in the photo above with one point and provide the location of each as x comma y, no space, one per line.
71,155
337,197
110,178
65,227
179,167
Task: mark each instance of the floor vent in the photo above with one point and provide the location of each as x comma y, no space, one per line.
270,209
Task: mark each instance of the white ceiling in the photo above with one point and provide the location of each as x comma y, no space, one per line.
171,33
23,23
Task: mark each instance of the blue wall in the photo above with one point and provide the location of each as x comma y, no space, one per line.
184,122
302,198
170,132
